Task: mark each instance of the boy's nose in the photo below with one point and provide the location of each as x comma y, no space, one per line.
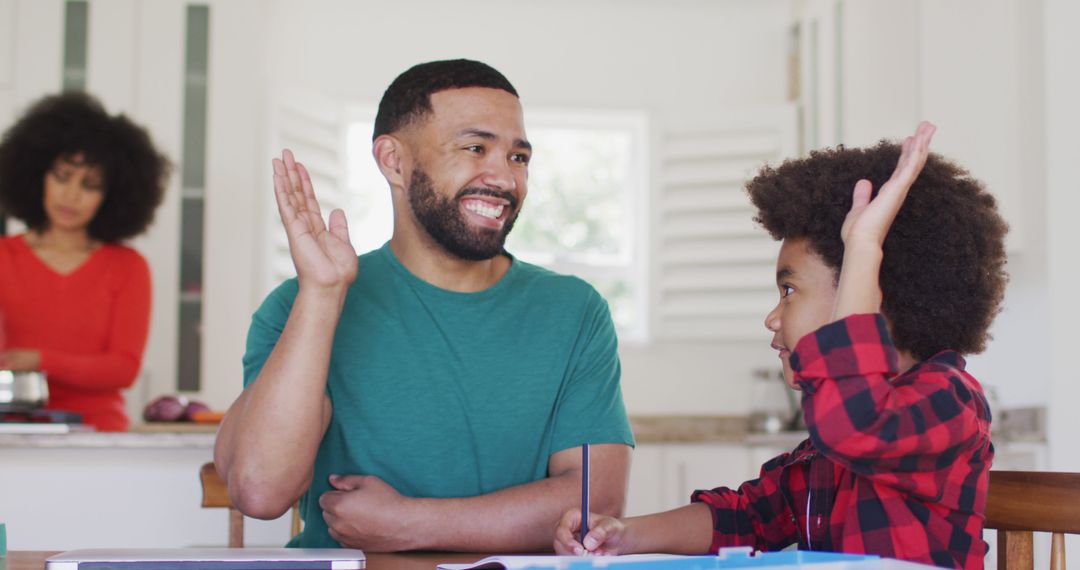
772,320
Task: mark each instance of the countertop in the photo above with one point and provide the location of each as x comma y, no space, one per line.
647,430
141,436
1018,424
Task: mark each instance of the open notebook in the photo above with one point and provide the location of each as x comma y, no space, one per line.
727,559
208,559
530,562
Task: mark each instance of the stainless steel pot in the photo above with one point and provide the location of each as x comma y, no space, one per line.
22,390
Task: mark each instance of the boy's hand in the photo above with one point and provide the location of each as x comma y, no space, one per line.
868,222
607,536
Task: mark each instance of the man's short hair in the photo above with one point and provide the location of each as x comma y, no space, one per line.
943,273
409,97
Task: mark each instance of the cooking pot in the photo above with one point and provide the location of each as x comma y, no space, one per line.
22,390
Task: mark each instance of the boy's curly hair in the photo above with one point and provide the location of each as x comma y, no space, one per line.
72,123
943,273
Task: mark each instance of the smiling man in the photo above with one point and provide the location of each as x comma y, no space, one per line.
433,393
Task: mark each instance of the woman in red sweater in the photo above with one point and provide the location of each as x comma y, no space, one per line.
75,302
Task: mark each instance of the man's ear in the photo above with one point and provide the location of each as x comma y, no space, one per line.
390,154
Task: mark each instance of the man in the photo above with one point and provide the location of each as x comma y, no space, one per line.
435,393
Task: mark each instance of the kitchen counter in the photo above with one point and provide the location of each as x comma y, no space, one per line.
141,436
647,430
1018,424
706,430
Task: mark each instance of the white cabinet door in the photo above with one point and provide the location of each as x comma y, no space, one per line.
646,481
704,466
663,476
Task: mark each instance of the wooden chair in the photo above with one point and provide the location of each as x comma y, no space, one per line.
215,494
1020,502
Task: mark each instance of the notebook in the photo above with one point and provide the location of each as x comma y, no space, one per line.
560,562
726,559
208,559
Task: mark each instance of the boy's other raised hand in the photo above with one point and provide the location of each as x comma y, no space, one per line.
606,536
868,221
324,258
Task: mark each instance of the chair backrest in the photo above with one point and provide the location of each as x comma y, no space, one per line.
215,494
1021,502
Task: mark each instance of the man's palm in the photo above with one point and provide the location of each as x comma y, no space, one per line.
323,257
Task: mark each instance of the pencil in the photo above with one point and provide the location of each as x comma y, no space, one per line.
584,492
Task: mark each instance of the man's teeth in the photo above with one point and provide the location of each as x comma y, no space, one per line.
486,210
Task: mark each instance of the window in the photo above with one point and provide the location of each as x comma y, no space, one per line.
585,214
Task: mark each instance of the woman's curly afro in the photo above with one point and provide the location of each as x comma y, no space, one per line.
73,123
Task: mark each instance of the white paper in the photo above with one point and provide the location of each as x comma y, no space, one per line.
526,562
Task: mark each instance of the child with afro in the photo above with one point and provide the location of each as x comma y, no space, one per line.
891,266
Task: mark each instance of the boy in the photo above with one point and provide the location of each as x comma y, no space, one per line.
870,330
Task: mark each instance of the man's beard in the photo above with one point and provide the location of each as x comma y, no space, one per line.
444,221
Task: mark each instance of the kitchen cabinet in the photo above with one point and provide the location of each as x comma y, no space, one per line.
123,490
663,475
854,87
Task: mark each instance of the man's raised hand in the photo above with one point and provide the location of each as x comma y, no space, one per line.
324,258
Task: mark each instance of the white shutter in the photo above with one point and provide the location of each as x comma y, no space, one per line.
715,268
313,127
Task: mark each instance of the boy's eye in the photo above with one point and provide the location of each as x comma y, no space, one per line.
786,290
60,175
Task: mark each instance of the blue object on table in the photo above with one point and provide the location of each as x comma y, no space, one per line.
724,561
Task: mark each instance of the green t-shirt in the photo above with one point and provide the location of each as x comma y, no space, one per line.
445,394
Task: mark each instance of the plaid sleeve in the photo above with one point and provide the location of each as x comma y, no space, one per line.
756,514
859,418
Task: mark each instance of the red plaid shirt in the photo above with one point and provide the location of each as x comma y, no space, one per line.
895,465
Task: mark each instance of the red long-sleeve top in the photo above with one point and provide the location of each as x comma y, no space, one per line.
90,325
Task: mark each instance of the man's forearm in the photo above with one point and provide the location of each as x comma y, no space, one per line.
268,440
516,519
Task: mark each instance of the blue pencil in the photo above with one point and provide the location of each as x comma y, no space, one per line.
584,492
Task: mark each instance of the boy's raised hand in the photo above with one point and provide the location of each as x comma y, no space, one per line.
867,224
868,221
324,258
606,535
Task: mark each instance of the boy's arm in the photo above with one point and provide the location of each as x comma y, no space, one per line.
854,413
859,418
867,224
756,514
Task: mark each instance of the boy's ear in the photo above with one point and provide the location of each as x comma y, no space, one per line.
390,154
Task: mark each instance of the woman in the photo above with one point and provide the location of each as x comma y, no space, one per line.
75,301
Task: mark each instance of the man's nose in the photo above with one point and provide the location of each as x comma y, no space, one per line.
499,173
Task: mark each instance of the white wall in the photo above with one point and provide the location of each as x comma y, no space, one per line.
973,67
1062,119
1062,51
676,61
